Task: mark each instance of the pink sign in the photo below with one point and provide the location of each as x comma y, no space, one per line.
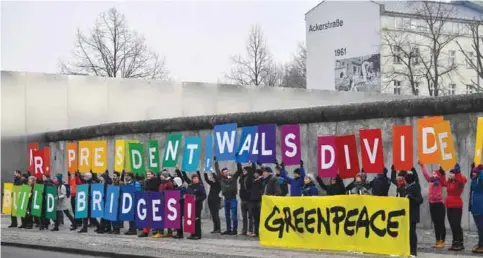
290,144
172,209
326,156
189,213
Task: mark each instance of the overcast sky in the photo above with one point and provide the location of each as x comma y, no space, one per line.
196,37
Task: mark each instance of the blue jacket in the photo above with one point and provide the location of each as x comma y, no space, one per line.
296,184
136,184
310,190
476,202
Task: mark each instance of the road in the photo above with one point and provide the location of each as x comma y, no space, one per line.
15,252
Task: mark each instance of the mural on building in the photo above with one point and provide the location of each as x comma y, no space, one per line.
361,73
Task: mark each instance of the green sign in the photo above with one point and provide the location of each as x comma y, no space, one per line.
172,149
51,195
37,198
153,156
15,194
136,158
23,200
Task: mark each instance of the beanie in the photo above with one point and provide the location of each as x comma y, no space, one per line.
311,177
457,168
177,181
165,174
88,176
268,169
297,171
117,173
59,177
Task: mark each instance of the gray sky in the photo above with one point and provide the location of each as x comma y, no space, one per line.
196,37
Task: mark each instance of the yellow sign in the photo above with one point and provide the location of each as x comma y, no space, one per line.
99,156
479,141
444,140
370,224
7,198
84,156
119,155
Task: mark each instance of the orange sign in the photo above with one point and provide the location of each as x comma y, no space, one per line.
71,157
427,146
445,144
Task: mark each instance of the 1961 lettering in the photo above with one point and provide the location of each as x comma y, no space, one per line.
340,51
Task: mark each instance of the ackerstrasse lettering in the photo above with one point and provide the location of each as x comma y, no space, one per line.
326,26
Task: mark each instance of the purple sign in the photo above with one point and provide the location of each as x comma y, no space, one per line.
267,143
157,209
290,144
172,210
142,209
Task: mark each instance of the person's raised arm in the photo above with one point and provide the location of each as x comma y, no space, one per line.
186,178
425,171
416,176
302,169
199,176
393,176
239,170
217,167
178,174
321,183
207,179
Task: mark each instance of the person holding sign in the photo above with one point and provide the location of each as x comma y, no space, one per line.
256,198
245,180
359,186
88,180
336,186
44,221
63,203
197,189
454,206
413,193
165,185
28,221
309,186
214,201
270,183
436,206
229,190
128,178
16,181
150,185
297,182
178,185
399,181
476,203
380,184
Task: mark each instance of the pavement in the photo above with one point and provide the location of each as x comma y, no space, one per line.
211,245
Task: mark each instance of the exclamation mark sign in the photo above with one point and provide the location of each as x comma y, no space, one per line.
188,220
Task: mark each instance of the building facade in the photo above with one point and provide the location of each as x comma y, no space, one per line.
395,47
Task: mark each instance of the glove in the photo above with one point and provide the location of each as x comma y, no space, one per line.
282,165
214,158
392,168
384,171
457,169
259,163
301,163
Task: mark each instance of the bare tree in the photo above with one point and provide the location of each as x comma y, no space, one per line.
295,72
403,59
254,67
436,18
274,76
111,49
474,55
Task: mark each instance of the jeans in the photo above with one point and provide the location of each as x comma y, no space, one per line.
214,206
413,239
479,225
255,209
231,210
438,214
247,217
454,218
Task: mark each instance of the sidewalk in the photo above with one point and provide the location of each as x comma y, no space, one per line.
212,245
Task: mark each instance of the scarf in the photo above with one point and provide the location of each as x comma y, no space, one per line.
401,183
435,180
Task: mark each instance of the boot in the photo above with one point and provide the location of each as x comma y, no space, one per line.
83,230
55,229
439,244
130,233
142,234
73,227
13,225
478,249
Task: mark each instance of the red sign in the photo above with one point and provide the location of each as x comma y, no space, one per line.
189,213
31,147
346,156
372,154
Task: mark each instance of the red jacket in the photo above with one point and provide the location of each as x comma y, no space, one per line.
166,185
455,189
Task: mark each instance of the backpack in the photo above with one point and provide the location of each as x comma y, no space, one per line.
67,190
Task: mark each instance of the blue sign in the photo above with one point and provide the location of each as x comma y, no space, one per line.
247,141
126,200
82,201
112,203
191,154
97,200
143,209
225,141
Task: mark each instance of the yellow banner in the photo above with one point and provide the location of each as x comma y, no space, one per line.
7,198
119,155
369,224
479,141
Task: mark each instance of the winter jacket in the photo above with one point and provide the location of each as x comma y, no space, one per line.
271,186
435,191
63,201
17,181
246,184
332,189
296,184
198,190
413,192
215,188
400,188
185,177
476,195
257,190
152,184
455,188
310,190
380,184
166,185
360,189
229,185
136,184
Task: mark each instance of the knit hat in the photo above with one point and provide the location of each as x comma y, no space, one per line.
311,177
297,171
177,181
117,173
457,168
165,174
88,176
478,168
59,177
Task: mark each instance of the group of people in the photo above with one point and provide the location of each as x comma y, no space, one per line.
249,183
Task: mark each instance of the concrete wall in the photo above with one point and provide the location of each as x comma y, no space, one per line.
461,111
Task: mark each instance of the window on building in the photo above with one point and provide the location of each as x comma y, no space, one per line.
406,23
398,21
452,57
396,51
354,69
431,89
469,89
452,89
416,88
414,24
415,56
469,60
423,26
465,29
397,87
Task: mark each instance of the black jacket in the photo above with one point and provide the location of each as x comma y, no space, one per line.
198,190
257,190
400,189
152,184
415,200
215,188
17,181
246,182
229,186
271,186
333,189
380,184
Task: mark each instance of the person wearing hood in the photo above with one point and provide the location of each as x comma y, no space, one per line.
62,203
413,193
270,182
297,182
380,184
88,179
359,185
229,190
197,189
178,185
151,184
335,187
476,204
214,200
436,181
17,180
256,199
128,179
454,206
397,178
309,186
246,180
281,180
165,185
